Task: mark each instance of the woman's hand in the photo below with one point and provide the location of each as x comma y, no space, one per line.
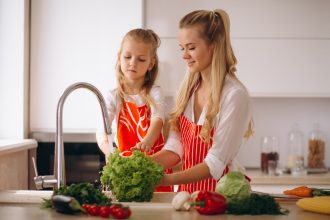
166,180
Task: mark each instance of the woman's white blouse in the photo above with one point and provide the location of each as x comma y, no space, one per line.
230,125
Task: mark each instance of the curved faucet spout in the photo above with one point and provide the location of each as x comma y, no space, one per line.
59,164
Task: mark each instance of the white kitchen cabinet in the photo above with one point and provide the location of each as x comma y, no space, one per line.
283,48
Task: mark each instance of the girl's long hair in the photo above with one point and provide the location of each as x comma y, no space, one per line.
214,29
149,37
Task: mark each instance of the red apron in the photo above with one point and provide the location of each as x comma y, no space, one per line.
133,124
195,151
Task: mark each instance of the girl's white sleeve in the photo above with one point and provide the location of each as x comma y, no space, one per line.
157,94
111,106
230,126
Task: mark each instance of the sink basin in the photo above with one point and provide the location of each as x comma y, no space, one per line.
36,196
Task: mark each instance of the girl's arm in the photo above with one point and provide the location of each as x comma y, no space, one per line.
156,126
157,120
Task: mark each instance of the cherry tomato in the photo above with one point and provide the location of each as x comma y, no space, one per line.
128,212
118,211
94,210
104,211
86,207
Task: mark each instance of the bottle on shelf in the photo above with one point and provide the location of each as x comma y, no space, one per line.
296,148
269,154
316,148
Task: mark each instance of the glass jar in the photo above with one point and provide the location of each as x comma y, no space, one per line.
295,147
316,148
269,154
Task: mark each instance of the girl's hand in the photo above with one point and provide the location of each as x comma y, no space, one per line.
144,145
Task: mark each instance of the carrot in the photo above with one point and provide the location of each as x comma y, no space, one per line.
301,191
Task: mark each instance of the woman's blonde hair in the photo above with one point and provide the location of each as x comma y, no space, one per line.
149,37
214,28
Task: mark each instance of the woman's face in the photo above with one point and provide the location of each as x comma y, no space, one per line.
195,51
135,60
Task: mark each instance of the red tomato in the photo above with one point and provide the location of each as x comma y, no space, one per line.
86,207
104,211
128,212
94,210
118,211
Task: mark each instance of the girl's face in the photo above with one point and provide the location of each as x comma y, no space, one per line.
135,60
195,51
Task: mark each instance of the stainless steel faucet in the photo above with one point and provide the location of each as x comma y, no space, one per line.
58,179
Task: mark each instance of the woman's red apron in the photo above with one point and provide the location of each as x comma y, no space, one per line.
195,151
133,124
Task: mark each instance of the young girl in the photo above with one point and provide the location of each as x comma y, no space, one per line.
212,113
137,105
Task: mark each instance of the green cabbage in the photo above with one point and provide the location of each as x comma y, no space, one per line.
234,186
131,178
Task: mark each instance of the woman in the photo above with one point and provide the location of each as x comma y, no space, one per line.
212,113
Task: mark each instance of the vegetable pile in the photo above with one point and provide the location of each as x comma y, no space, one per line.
82,192
131,178
233,196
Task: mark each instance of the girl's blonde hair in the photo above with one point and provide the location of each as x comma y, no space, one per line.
149,37
214,28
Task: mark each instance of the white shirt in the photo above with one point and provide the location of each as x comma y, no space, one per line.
230,125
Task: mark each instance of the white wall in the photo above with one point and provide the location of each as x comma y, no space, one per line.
13,68
74,41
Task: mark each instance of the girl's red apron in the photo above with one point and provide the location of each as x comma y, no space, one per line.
133,124
195,151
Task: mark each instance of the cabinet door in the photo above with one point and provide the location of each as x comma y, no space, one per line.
283,48
74,41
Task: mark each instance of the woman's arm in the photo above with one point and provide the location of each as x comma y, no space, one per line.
166,158
199,172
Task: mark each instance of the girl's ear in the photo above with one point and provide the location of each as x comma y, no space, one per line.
151,64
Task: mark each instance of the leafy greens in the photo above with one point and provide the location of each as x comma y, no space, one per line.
131,178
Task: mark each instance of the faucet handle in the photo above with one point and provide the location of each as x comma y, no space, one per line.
34,166
42,182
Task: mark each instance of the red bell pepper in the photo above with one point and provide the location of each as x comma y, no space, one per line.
210,203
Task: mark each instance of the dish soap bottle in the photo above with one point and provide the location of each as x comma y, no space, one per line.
316,148
296,147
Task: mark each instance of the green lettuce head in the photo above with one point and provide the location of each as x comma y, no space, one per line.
234,186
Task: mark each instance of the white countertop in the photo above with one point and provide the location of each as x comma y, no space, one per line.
13,145
159,209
